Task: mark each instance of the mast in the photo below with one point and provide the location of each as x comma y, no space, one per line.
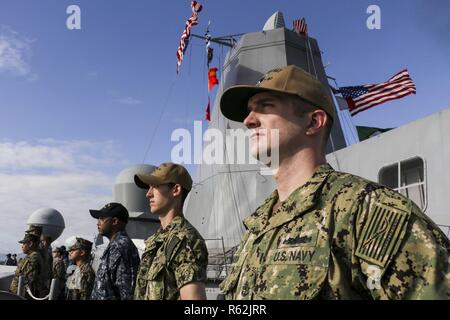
226,194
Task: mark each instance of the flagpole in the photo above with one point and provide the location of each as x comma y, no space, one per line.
349,122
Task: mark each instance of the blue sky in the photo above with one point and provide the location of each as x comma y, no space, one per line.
78,106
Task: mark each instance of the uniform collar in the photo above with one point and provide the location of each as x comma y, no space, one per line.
118,235
160,234
176,221
298,202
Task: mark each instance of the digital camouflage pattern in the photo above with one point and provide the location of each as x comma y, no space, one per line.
173,257
116,274
47,266
340,237
30,268
59,273
80,283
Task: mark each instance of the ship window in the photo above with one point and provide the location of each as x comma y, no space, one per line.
406,177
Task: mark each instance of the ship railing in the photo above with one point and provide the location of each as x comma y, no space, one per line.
22,287
218,261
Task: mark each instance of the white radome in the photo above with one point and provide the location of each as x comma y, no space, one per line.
50,219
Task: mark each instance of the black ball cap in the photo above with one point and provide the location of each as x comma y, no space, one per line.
112,209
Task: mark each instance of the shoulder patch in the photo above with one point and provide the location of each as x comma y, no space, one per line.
382,234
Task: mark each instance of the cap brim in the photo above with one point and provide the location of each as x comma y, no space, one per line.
144,181
234,101
97,214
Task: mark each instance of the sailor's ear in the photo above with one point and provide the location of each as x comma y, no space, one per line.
317,121
177,190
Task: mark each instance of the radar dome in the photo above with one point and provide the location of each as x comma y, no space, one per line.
142,223
127,193
51,220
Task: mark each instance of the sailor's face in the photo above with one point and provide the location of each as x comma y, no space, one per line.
271,115
55,254
160,198
26,247
74,254
104,225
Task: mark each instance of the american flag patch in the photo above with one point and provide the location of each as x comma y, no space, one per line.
382,234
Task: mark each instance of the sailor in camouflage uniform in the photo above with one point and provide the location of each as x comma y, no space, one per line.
325,234
174,263
59,272
46,252
37,230
30,268
116,274
80,283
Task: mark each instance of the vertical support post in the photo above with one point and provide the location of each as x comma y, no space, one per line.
53,288
224,257
20,287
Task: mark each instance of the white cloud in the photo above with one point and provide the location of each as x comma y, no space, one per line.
15,52
57,155
128,101
70,176
23,155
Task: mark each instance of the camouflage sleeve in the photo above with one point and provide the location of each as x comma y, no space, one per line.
15,280
228,285
31,271
123,277
59,271
402,253
189,262
87,283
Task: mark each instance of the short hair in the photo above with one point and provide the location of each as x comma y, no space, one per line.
302,107
184,192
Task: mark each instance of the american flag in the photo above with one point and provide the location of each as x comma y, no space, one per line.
300,26
360,98
192,21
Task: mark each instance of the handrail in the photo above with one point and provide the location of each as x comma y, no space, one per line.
223,255
50,296
36,298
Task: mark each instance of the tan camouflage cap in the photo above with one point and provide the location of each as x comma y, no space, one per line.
291,80
165,173
34,230
82,244
29,237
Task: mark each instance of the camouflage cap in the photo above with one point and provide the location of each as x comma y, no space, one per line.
165,173
29,237
290,80
82,244
35,230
